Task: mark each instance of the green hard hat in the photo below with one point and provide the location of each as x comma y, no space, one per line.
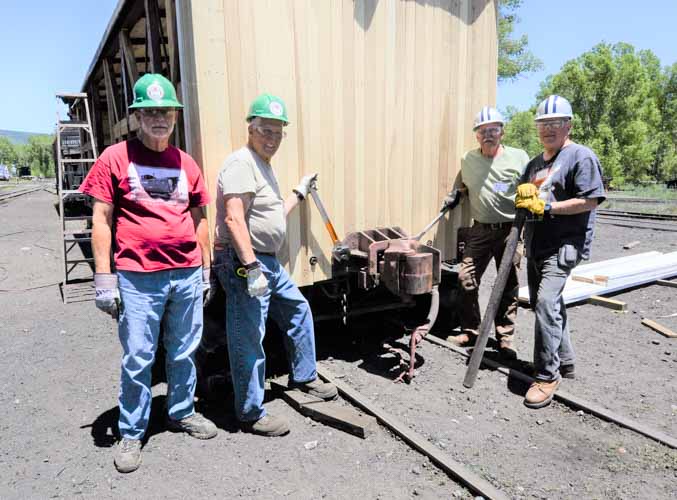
268,106
154,91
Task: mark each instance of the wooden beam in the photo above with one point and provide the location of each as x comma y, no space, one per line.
153,27
672,284
110,99
616,305
663,330
172,44
127,53
330,413
472,481
632,244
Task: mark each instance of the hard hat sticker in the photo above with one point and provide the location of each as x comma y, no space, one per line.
276,108
155,91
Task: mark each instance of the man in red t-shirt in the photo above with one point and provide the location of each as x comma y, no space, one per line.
150,195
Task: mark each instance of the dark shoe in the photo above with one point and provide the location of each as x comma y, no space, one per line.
463,340
128,455
567,371
317,388
195,426
540,393
267,425
506,349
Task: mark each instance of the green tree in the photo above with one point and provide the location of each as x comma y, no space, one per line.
614,95
514,58
520,131
38,155
8,152
665,165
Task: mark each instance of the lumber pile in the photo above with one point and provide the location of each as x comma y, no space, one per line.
613,275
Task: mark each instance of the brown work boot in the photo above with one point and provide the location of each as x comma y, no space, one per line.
540,393
465,339
267,425
567,371
506,349
317,388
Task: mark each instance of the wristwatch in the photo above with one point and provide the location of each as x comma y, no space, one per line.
546,210
252,265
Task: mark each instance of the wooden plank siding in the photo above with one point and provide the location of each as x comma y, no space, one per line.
381,95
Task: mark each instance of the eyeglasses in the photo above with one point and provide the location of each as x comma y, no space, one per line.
153,112
270,133
550,125
489,131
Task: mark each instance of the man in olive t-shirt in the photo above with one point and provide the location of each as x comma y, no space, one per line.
489,174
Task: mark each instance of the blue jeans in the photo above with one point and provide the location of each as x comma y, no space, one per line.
552,342
246,327
174,297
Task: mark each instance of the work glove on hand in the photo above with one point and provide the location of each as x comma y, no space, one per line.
208,285
304,186
526,190
534,204
451,200
257,283
107,294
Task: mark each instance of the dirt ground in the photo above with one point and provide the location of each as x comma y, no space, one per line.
60,382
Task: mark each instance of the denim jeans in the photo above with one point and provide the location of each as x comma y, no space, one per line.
174,297
552,342
246,327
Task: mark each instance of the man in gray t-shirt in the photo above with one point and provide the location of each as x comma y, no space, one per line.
562,187
250,229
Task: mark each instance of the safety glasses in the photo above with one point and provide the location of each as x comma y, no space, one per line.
270,133
550,124
154,112
489,131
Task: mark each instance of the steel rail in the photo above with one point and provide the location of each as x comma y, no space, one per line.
637,215
454,469
14,194
570,400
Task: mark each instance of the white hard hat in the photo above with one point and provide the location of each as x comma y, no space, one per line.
488,115
554,106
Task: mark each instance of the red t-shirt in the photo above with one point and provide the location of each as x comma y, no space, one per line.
152,194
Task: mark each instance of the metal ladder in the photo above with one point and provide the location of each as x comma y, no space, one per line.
76,152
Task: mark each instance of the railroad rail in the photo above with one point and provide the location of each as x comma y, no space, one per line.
637,215
19,192
638,220
457,470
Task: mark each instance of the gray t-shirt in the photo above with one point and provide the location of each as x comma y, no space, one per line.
575,172
246,172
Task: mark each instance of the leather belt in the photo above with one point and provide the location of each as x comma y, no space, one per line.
220,248
495,226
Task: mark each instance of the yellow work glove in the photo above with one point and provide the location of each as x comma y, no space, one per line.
526,190
534,204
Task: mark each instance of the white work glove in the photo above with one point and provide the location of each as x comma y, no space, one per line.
304,186
208,287
257,283
107,294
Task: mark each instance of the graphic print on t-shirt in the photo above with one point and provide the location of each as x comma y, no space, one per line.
542,179
157,184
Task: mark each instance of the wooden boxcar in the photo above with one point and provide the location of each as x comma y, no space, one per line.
381,96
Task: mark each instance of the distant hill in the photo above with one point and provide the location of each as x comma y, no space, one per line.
17,137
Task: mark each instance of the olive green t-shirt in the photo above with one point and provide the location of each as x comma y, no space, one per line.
492,183
246,172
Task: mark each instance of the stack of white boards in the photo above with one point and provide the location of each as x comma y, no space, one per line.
613,275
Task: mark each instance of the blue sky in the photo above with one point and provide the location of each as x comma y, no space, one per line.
47,46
